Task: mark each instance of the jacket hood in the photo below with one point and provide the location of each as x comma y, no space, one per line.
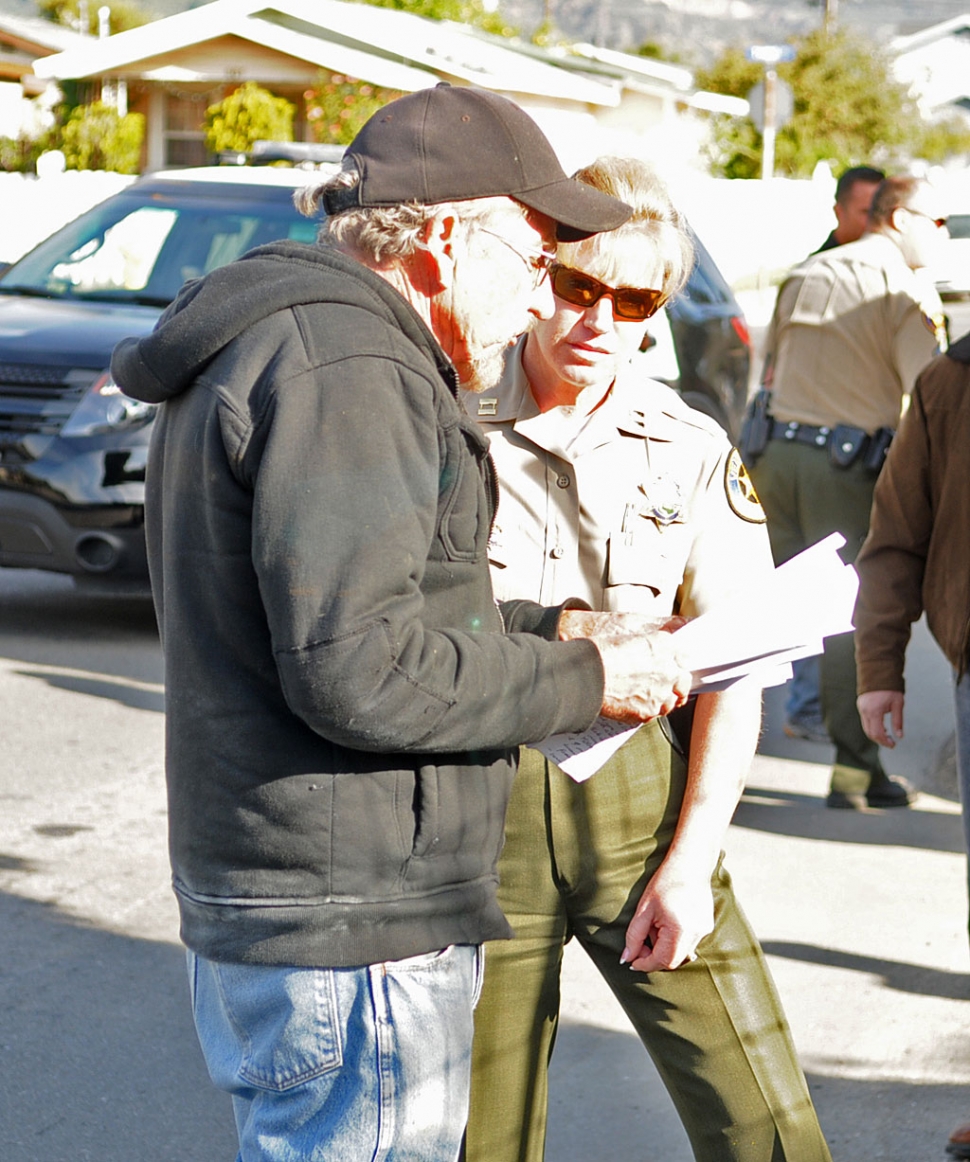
210,312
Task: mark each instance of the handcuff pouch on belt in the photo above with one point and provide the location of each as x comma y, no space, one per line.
846,445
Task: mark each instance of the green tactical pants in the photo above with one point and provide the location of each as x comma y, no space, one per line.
806,498
576,860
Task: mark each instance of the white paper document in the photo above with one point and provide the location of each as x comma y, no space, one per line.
754,637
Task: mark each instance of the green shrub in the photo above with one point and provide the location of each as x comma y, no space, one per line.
96,136
338,106
19,154
249,114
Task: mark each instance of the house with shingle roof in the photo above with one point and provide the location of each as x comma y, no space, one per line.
172,69
22,41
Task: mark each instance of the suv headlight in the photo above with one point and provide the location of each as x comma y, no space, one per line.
105,408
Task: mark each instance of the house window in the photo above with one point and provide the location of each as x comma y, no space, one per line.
183,133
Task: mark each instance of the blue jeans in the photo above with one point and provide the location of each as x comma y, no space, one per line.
804,700
363,1064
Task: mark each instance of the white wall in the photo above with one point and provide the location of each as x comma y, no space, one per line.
11,108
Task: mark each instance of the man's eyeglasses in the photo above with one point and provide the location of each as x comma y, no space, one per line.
582,290
939,223
538,262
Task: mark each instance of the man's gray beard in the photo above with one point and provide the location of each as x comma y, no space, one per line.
485,373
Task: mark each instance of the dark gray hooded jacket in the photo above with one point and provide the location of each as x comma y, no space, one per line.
342,703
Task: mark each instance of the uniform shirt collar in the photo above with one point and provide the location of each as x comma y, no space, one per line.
636,406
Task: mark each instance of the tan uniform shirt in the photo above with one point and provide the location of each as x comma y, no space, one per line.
852,329
634,507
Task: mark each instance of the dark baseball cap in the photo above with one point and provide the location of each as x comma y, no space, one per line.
447,144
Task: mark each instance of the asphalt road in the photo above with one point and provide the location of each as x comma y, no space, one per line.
99,1059
863,917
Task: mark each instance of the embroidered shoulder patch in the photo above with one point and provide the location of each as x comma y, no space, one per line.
740,491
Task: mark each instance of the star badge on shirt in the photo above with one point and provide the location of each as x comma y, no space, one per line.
665,502
739,488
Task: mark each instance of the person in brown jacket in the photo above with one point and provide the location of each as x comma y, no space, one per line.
915,558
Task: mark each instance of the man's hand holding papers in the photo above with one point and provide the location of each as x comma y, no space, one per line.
644,674
756,637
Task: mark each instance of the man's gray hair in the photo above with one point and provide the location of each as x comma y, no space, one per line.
386,233
892,194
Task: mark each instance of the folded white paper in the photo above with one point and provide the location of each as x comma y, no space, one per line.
754,637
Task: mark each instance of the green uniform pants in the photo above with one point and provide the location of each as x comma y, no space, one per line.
576,860
806,498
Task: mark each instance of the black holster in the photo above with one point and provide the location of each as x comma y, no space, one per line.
755,427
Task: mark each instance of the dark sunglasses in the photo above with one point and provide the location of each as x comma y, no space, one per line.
582,290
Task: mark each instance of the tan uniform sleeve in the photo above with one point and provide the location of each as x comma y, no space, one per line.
915,343
730,553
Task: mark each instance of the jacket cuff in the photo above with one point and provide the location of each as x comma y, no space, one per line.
879,676
539,620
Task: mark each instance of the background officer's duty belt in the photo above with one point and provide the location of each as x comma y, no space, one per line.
801,433
845,444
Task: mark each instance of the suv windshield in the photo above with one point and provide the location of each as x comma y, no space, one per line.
141,249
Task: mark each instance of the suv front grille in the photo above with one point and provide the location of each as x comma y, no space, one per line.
37,398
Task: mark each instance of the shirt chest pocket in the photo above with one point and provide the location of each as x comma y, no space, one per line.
648,558
464,503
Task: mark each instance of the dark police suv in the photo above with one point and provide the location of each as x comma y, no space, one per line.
73,448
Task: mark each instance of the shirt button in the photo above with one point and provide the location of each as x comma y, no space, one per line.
563,481
557,552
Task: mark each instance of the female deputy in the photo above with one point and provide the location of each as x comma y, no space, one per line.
615,491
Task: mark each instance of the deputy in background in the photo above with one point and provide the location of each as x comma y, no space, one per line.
852,329
854,192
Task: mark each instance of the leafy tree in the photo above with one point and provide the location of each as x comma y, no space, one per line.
471,12
943,139
19,154
337,106
249,114
125,14
848,108
96,136
654,50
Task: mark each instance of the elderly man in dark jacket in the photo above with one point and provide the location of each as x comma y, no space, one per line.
343,693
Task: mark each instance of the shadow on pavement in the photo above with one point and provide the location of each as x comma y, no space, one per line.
894,974
607,1100
807,817
37,607
101,642
100,1060
130,694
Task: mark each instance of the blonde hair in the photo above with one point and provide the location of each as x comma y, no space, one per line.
654,216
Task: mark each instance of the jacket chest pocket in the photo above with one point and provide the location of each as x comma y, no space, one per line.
465,505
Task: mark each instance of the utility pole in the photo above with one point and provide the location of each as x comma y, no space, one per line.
771,55
831,15
768,134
